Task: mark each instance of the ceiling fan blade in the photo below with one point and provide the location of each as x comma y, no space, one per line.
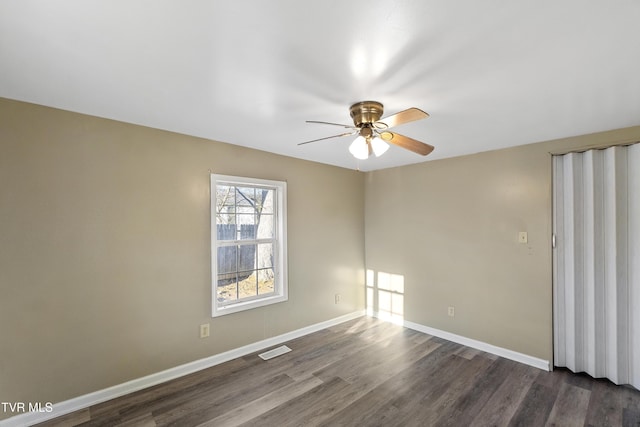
406,116
332,124
406,142
329,137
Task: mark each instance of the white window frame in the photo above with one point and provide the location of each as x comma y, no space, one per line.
280,293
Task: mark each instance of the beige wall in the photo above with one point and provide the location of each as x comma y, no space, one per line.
105,250
104,247
449,228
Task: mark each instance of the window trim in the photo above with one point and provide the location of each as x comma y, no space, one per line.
280,233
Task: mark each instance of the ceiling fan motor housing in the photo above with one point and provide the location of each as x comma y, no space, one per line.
366,112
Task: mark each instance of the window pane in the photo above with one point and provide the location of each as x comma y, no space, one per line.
246,259
226,291
245,197
248,286
265,226
226,231
224,218
225,199
247,229
265,255
227,261
264,200
266,279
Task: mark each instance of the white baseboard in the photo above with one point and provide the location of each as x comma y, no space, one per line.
81,402
479,345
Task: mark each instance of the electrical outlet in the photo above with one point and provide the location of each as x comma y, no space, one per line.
204,330
523,237
337,297
451,312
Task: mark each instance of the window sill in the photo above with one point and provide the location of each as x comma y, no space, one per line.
246,305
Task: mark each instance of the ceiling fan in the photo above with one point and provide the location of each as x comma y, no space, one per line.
373,133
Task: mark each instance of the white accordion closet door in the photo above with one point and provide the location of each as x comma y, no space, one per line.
596,263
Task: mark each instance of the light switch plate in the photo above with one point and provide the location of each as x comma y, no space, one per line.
204,330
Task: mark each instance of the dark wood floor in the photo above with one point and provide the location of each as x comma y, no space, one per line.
371,373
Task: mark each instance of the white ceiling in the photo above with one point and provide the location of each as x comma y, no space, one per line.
492,73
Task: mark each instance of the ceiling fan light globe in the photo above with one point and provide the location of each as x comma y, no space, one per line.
359,148
379,146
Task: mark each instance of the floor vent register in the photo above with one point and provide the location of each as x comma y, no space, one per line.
278,351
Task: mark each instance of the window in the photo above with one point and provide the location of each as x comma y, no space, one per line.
248,243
